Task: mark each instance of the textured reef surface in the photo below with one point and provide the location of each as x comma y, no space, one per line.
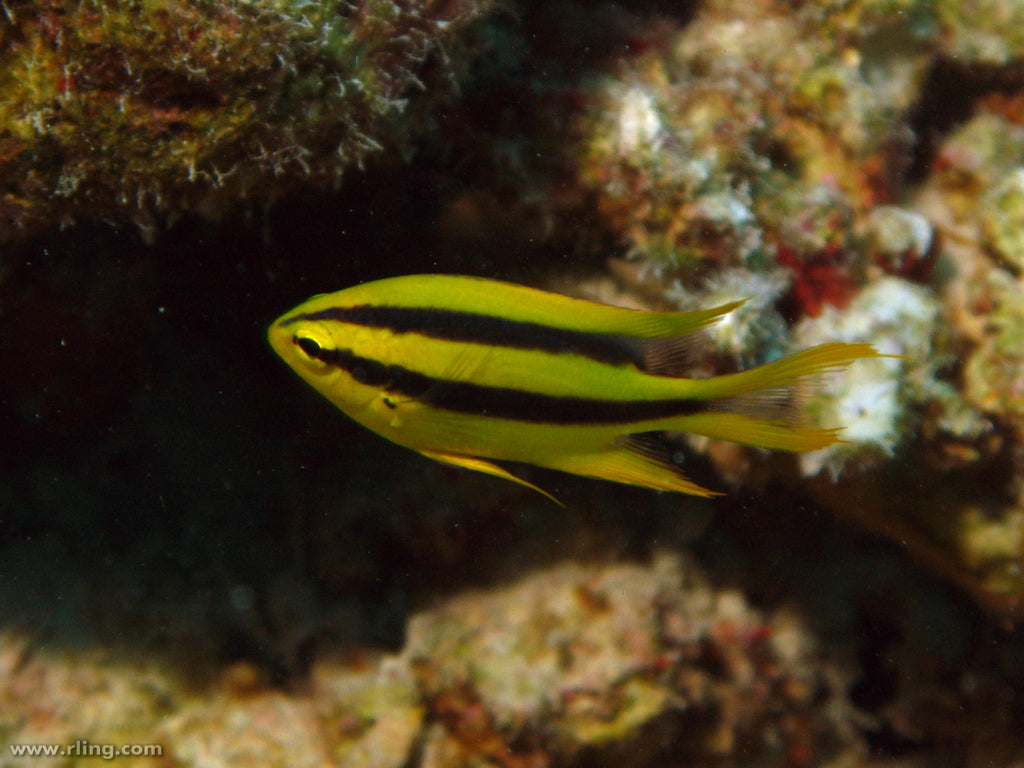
630,663
143,111
198,553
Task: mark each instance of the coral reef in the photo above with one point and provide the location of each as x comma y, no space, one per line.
619,661
747,155
622,663
745,138
144,111
626,664
757,154
64,699
972,195
874,401
196,553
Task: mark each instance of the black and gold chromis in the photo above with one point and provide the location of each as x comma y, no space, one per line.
470,371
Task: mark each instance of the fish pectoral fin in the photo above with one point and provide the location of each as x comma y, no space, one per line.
641,459
487,467
464,366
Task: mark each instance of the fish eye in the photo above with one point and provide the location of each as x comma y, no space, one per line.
307,345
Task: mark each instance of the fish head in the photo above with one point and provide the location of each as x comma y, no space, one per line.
313,349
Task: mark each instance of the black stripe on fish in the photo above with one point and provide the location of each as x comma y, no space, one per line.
472,327
499,402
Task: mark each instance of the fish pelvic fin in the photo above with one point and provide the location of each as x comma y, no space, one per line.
487,467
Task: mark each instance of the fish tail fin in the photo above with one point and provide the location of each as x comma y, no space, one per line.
764,406
789,370
759,433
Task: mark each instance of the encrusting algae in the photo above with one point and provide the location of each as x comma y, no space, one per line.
142,112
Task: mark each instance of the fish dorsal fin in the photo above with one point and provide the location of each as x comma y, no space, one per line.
674,343
675,356
642,324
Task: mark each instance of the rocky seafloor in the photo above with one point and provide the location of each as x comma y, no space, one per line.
203,559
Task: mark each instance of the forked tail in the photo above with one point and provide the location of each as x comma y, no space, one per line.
763,407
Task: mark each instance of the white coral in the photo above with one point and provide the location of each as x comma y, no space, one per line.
869,400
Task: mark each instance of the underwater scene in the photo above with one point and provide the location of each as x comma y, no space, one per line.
521,384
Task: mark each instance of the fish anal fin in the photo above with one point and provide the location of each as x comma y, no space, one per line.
644,459
487,467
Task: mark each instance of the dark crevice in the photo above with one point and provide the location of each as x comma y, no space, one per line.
949,97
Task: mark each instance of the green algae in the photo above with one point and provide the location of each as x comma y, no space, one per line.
141,111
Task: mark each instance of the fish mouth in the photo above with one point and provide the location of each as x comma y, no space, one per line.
279,338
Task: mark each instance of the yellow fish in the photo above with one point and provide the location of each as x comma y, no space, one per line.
470,371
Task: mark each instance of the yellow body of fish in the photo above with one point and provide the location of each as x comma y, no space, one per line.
470,371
